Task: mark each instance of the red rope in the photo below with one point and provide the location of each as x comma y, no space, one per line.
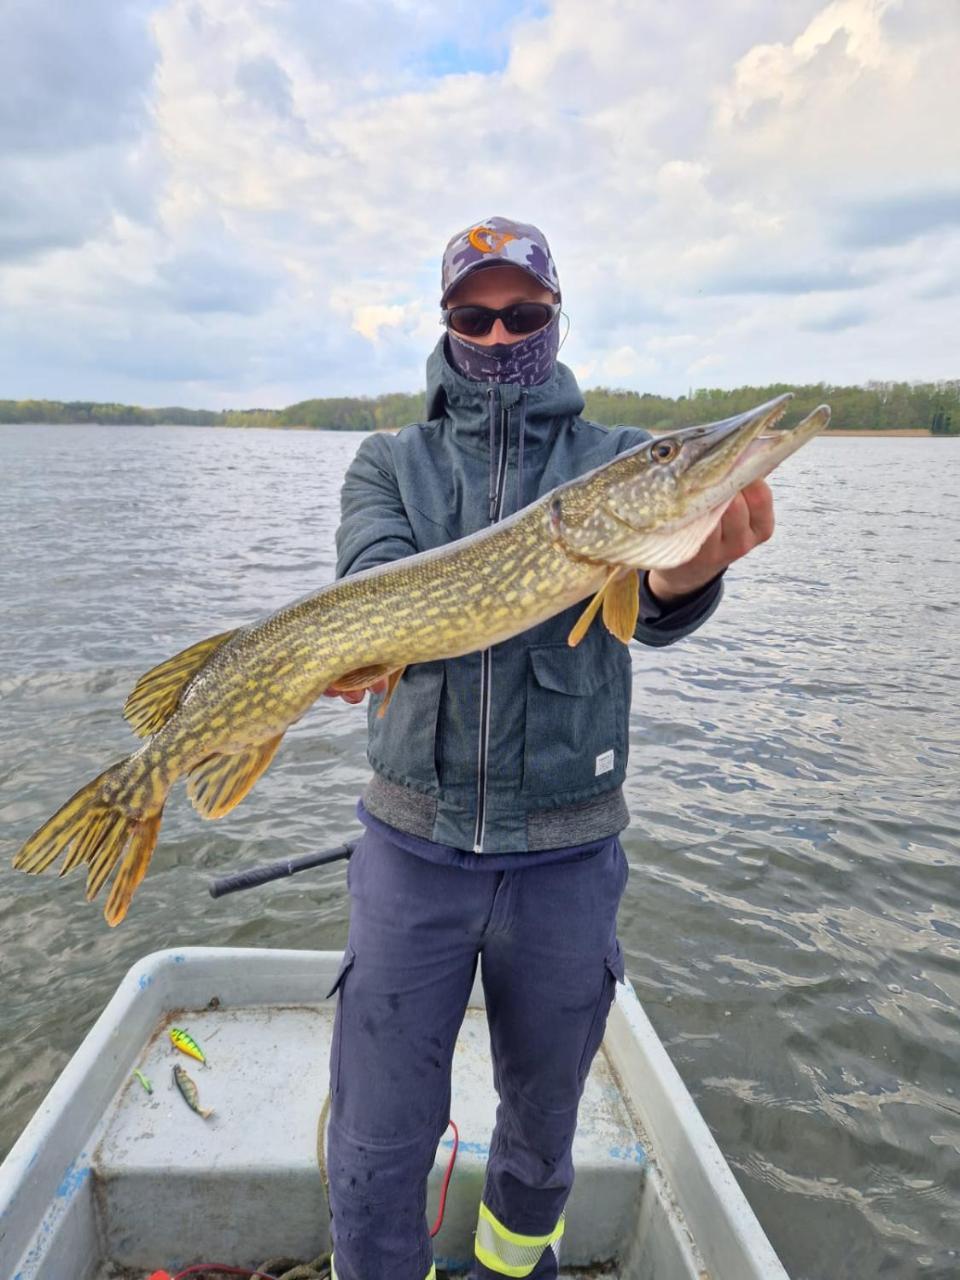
446,1180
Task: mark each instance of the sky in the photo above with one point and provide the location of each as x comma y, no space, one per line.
243,203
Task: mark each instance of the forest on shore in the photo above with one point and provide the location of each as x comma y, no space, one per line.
877,406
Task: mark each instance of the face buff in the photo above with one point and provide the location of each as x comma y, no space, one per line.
526,363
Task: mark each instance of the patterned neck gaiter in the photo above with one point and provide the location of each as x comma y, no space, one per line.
526,363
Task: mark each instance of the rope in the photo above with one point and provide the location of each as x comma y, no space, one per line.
321,1149
272,1269
284,1268
291,1269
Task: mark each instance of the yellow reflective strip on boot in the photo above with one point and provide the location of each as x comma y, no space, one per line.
508,1252
432,1273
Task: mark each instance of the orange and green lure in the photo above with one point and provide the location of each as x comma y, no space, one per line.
185,1042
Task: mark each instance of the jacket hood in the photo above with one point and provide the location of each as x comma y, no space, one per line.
467,403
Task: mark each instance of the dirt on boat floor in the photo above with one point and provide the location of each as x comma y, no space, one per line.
605,1271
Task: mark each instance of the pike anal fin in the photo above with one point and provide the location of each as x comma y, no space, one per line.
620,598
220,782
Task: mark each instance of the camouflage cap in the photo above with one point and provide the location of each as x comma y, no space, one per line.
494,242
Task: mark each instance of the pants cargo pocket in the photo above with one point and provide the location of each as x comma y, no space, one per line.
337,989
613,973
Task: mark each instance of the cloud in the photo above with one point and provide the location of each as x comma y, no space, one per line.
812,280
52,201
74,110
73,75
211,280
266,84
899,218
838,321
258,195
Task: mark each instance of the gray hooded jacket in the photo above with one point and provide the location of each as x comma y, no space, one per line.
522,747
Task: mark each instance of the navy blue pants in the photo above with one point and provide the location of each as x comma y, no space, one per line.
546,940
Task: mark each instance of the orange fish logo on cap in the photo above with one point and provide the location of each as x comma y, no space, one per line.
486,240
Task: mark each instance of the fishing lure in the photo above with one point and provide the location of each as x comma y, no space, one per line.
186,1044
189,1093
143,1080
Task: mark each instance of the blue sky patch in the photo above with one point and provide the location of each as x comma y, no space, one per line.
448,58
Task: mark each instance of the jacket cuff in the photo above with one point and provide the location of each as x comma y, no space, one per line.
663,623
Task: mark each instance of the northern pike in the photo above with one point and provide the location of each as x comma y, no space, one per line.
217,711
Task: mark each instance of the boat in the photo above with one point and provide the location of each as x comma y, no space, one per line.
108,1180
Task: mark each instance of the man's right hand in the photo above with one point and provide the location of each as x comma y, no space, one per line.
355,695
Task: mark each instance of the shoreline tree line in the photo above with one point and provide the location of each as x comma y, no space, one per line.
877,406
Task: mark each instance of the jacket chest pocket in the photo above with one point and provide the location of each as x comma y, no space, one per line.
575,743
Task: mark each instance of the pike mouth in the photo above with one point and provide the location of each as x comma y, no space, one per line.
740,450
734,453
764,453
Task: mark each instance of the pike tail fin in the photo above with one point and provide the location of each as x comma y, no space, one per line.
96,828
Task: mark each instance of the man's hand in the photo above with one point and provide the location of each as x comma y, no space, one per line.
746,523
355,695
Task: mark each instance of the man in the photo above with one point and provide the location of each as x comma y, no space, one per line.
492,817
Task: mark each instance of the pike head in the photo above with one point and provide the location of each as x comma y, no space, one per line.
655,505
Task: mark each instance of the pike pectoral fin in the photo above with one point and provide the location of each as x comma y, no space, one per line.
156,694
582,624
220,782
621,605
361,678
364,677
393,679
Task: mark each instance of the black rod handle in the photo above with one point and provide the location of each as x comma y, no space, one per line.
278,870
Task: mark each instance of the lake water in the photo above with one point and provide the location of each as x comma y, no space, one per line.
792,920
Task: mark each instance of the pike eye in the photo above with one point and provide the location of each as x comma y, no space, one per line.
664,450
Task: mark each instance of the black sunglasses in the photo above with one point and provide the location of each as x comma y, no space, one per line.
519,317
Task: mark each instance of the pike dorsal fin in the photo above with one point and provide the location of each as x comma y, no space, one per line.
220,782
155,695
621,605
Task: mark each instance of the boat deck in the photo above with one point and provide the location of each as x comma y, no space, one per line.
109,1182
169,1183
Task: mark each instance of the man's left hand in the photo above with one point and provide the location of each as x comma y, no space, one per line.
746,523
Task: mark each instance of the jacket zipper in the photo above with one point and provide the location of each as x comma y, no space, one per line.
486,657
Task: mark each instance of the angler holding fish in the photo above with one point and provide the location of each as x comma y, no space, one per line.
492,816
493,563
